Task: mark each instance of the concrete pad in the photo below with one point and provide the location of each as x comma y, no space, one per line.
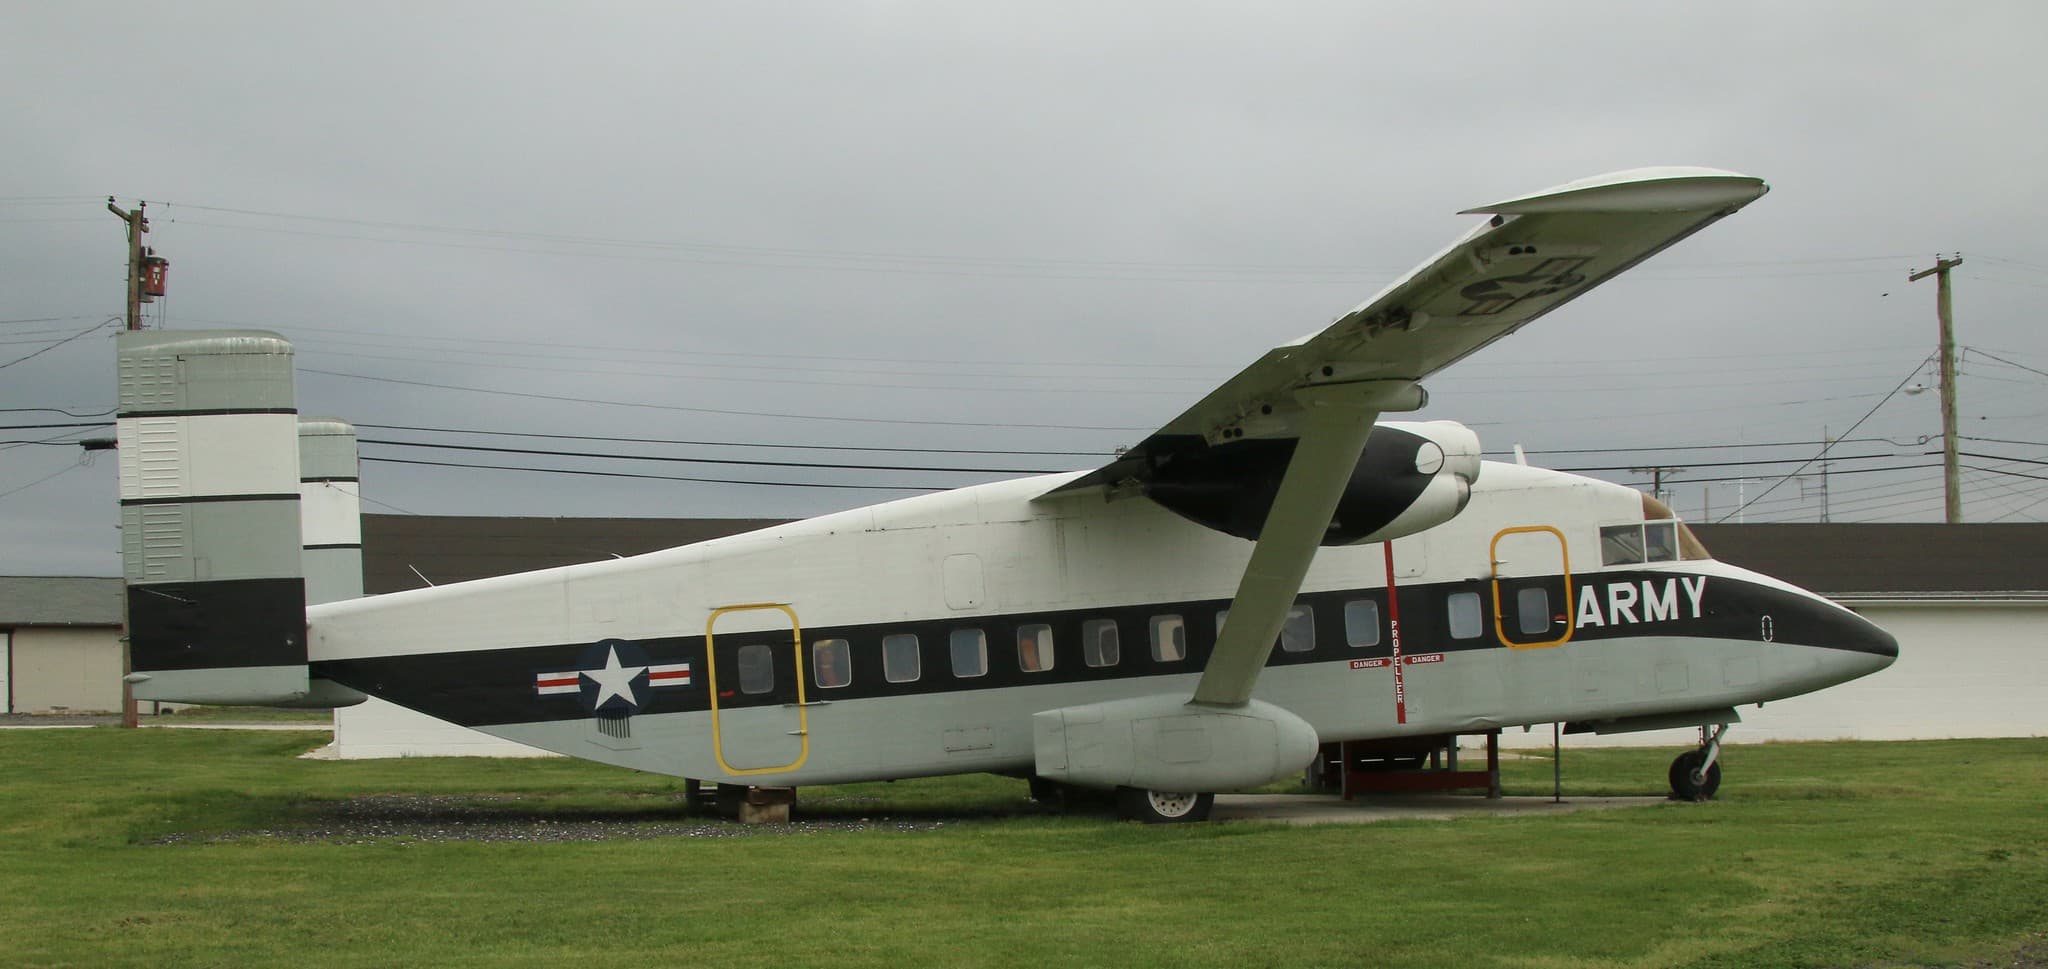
1330,809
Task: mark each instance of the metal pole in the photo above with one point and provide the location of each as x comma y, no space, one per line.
1557,763
1952,503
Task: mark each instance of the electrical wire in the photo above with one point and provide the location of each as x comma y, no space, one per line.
710,410
108,322
1830,446
727,461
747,444
659,477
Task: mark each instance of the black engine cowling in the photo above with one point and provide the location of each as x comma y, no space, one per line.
1412,476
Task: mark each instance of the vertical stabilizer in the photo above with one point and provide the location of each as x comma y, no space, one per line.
331,527
210,541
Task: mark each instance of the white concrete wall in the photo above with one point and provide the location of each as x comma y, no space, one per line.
70,669
1965,669
374,729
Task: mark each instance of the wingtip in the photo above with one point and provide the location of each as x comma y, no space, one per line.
1663,189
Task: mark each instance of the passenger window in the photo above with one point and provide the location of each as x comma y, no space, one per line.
899,658
1362,622
970,652
1465,617
1034,648
1532,606
1660,542
832,662
1099,645
757,668
1621,544
1298,633
1169,639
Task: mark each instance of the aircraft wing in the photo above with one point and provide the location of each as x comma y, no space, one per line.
1302,411
1536,253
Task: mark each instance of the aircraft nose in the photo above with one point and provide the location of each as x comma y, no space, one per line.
1860,647
1865,636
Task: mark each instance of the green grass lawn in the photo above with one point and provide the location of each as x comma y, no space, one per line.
148,848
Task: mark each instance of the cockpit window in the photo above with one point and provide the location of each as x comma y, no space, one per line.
1660,541
1689,546
1621,544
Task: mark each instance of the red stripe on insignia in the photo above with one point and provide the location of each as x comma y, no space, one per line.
557,681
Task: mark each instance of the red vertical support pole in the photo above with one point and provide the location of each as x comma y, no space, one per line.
1394,637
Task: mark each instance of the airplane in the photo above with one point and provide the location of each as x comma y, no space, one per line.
1273,569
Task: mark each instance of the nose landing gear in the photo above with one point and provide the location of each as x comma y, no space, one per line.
1696,774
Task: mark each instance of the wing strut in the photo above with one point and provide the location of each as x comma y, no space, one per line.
1334,425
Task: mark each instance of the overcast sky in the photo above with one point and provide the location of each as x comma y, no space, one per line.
1078,217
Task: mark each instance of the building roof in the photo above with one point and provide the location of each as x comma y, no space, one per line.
1847,560
1832,559
59,600
452,548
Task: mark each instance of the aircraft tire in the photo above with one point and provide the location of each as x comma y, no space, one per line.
1682,786
1163,807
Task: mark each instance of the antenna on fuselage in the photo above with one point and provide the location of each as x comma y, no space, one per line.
1521,458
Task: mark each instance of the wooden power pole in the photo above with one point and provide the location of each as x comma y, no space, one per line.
1950,479
137,225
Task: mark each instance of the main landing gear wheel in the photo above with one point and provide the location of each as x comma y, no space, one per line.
1688,783
1162,807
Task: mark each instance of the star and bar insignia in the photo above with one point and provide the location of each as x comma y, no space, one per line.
612,678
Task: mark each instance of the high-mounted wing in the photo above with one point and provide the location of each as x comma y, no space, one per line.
1281,441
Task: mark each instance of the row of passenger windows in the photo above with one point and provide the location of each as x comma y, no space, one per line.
1101,646
1101,641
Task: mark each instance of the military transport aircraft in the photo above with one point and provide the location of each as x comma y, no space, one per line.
1270,570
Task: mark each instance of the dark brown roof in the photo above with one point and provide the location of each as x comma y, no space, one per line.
450,548
1834,559
1844,559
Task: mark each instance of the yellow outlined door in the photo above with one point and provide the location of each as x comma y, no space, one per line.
759,724
1532,587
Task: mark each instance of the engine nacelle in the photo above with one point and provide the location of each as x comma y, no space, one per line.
1164,743
1413,475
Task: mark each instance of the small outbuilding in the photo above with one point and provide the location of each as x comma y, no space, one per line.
60,644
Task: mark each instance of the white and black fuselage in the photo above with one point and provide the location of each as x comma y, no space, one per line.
637,661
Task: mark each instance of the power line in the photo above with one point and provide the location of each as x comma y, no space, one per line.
746,444
658,477
57,344
1830,445
711,410
728,461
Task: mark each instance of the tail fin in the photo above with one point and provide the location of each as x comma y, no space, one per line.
210,525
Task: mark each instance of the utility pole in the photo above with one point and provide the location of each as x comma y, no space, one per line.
137,225
1953,499
1827,444
1657,479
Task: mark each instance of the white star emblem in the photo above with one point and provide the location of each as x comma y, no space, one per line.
614,680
